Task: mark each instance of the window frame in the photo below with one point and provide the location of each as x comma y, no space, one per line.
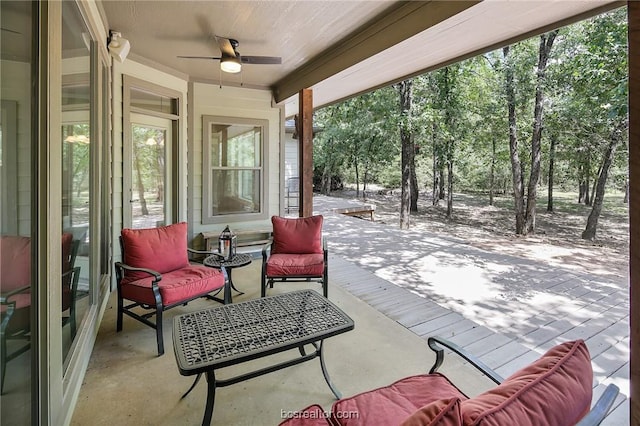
207,169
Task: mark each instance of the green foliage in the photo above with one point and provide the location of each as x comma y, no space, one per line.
586,91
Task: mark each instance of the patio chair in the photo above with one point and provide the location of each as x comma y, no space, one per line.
297,252
15,293
156,275
555,390
15,298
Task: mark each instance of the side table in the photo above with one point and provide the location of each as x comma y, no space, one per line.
237,261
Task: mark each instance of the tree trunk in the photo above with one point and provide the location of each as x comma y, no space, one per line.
436,176
140,184
516,167
592,222
546,43
449,187
357,180
492,174
552,159
587,175
414,182
405,92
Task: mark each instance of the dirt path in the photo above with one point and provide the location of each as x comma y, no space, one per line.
557,239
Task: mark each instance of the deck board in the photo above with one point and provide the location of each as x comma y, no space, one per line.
506,332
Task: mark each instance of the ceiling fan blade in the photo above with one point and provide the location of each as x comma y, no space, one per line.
225,47
199,57
265,60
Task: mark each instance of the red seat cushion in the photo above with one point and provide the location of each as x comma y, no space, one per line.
177,286
295,265
313,415
444,412
297,235
555,390
15,262
391,405
162,249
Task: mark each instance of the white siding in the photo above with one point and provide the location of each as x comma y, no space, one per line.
17,75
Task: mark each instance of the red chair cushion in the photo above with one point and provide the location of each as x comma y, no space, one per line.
313,415
15,262
162,249
444,412
392,404
297,235
279,265
555,390
177,286
22,300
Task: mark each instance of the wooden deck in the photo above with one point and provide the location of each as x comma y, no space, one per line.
506,310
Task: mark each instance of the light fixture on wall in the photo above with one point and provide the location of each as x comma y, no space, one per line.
118,47
230,64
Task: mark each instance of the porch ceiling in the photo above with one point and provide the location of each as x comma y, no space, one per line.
337,48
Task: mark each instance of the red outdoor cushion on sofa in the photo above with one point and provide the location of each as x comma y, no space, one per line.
555,390
391,405
444,412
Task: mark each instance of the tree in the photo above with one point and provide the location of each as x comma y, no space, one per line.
605,40
516,167
546,43
404,89
526,212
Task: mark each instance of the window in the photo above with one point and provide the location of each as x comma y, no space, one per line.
233,169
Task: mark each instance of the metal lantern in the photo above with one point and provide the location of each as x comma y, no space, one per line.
227,244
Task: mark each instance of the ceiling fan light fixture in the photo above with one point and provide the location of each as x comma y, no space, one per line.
230,65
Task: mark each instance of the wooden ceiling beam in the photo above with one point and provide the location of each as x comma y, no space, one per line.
399,22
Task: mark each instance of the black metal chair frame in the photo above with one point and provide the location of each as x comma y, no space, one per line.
598,411
268,281
159,307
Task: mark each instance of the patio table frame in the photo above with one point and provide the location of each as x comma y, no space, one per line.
215,338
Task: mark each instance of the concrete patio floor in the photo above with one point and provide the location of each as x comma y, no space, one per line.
128,384
505,309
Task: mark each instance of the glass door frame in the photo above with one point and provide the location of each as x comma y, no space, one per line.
173,164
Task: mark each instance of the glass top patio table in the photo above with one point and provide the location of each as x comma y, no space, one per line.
227,335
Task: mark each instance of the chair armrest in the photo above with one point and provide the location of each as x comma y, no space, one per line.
601,408
4,298
122,266
434,343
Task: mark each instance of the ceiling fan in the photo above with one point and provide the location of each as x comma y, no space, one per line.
231,60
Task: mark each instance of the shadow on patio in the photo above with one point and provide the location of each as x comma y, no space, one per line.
505,309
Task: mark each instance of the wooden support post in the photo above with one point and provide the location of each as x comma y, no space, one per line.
634,206
305,140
